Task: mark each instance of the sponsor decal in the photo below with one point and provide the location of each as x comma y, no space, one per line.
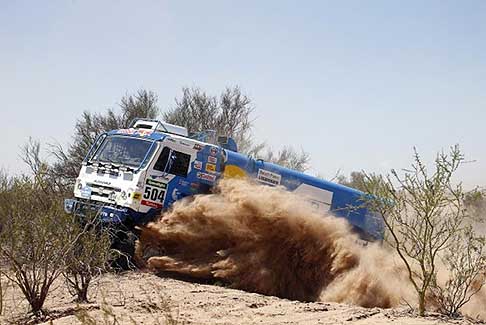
214,151
126,131
145,133
158,184
212,160
141,132
176,195
211,168
197,147
86,192
97,181
206,177
185,143
268,177
137,196
151,204
197,164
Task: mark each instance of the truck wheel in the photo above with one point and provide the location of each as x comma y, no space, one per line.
124,244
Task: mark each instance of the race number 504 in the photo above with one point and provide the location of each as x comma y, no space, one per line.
153,194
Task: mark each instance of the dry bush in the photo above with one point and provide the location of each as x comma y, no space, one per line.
89,257
38,240
425,216
465,261
33,238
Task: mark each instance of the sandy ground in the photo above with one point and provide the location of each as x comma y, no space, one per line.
143,298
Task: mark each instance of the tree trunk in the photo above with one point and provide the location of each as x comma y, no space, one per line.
83,294
36,305
422,304
1,296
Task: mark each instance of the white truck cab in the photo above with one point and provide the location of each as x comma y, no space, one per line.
136,172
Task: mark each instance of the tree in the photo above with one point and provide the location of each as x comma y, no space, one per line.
475,202
5,184
424,214
228,115
356,180
90,125
290,158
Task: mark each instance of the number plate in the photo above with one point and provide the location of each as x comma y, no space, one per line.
153,196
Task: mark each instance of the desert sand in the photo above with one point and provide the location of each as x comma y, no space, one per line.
137,297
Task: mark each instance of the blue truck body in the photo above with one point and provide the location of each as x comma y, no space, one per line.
136,187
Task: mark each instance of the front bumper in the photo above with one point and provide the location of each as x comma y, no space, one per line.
106,213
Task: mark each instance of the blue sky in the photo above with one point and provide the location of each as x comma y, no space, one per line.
357,84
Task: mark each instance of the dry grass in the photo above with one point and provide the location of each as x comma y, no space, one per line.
159,308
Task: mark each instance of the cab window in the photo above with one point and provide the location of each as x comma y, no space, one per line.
179,165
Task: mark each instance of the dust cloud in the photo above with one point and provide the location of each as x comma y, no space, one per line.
266,240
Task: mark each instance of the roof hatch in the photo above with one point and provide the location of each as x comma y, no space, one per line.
159,126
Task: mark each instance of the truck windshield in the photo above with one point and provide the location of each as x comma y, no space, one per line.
123,150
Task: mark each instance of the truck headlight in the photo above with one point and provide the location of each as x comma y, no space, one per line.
79,185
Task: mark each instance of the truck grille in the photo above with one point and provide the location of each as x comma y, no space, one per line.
103,191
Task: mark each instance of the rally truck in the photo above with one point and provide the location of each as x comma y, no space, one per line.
132,175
